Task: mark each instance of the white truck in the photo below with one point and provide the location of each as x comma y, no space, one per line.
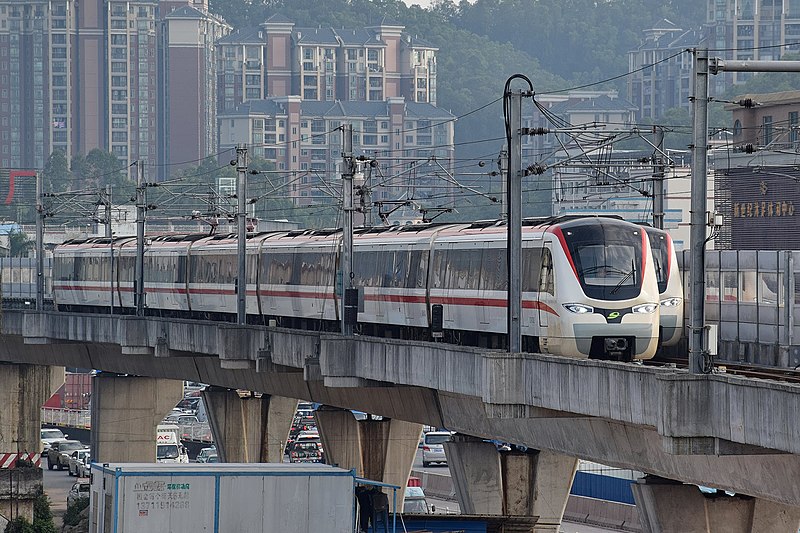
222,497
168,445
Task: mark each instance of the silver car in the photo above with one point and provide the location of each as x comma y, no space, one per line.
433,449
75,460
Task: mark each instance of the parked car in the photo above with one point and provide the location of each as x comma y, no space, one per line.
205,453
85,466
433,449
58,454
212,458
75,459
80,489
49,436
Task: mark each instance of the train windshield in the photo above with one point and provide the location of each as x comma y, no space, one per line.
660,248
607,258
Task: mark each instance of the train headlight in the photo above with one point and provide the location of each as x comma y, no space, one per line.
671,302
579,309
645,309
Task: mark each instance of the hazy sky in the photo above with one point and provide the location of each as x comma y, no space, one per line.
423,3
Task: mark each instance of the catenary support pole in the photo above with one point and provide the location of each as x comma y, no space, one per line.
514,203
347,230
241,219
39,244
140,218
698,208
110,235
658,177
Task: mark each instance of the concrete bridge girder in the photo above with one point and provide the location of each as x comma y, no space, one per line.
610,413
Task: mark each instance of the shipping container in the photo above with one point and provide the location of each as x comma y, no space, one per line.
193,498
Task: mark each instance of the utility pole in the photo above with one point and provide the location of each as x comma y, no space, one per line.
110,235
347,230
698,208
241,218
39,243
514,225
140,218
658,177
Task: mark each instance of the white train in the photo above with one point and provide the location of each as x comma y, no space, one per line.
589,283
670,286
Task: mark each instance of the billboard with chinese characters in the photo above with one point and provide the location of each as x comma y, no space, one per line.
760,205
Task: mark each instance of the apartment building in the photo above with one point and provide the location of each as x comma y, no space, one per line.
661,70
92,74
370,64
411,141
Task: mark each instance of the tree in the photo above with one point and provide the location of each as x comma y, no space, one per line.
56,176
19,244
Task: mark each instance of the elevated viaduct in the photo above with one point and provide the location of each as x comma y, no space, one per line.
734,433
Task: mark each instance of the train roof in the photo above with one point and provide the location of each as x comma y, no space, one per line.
406,233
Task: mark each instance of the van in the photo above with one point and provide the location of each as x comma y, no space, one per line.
433,447
168,447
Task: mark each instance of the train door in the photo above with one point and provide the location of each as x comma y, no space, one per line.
546,292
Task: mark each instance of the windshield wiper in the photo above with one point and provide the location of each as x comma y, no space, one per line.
625,278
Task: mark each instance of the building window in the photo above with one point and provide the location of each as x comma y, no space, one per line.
793,125
766,129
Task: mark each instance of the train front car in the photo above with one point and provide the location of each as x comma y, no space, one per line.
600,288
670,286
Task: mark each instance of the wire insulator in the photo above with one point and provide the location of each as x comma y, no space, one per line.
746,103
534,131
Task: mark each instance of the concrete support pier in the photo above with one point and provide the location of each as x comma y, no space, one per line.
380,450
249,429
23,390
667,506
125,413
486,481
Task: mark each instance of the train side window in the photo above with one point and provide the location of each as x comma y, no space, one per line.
422,269
328,267
180,276
546,281
417,264
78,268
439,270
531,262
400,270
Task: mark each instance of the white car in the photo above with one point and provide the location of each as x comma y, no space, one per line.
85,466
75,460
433,447
79,490
205,453
49,436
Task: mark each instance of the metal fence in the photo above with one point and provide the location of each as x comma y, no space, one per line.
75,418
751,295
72,418
18,275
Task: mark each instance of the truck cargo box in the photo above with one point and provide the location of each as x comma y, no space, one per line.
227,497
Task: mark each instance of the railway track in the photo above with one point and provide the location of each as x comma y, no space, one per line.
789,375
